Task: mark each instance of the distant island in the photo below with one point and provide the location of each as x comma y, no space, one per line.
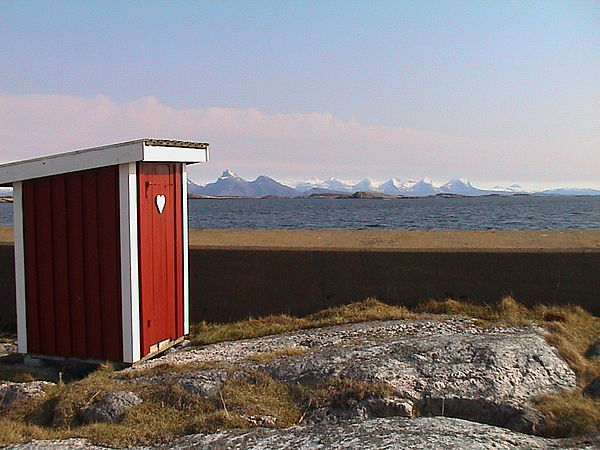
231,185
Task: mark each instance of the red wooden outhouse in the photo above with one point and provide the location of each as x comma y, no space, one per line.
101,249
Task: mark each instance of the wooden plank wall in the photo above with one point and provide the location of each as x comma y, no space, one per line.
161,257
72,264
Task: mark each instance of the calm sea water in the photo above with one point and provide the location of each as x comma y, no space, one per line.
475,213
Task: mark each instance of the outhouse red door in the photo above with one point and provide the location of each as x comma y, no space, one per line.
160,224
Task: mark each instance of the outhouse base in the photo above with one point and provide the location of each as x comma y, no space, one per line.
84,366
159,348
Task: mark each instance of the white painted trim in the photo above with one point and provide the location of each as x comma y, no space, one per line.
20,267
155,153
108,155
130,287
70,162
185,243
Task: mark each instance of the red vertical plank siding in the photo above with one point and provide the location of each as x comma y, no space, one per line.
72,264
110,273
91,275
161,274
60,254
45,268
76,265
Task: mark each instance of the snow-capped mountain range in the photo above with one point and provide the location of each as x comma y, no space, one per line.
231,185
412,188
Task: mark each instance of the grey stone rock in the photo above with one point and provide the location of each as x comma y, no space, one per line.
594,351
369,408
69,444
593,389
110,408
262,421
55,445
235,351
7,348
526,420
490,378
443,368
385,433
204,384
11,392
388,407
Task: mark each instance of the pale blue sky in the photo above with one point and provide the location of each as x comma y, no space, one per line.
494,91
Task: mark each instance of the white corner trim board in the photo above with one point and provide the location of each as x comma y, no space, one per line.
130,286
108,155
20,267
186,247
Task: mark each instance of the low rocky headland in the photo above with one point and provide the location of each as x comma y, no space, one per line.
444,381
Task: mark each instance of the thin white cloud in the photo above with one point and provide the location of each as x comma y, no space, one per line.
286,145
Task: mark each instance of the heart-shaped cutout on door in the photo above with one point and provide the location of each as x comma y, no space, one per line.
161,200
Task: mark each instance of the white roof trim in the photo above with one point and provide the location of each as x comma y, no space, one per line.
150,150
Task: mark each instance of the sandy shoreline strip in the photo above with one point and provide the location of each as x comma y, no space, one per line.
390,240
394,240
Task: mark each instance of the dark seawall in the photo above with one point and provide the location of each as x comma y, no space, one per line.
234,284
237,274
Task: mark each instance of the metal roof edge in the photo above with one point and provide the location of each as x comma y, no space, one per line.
175,143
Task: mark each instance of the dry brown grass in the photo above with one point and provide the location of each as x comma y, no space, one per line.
572,333
169,411
507,312
170,368
22,374
342,393
14,431
569,414
367,310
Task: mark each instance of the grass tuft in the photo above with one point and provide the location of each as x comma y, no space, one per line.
507,312
343,393
170,368
569,414
367,310
22,374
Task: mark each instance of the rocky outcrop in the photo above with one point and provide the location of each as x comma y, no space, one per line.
593,389
12,392
319,338
7,347
442,368
594,351
368,408
491,378
396,433
110,408
435,373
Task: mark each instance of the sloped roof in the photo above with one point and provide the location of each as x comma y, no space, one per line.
149,150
